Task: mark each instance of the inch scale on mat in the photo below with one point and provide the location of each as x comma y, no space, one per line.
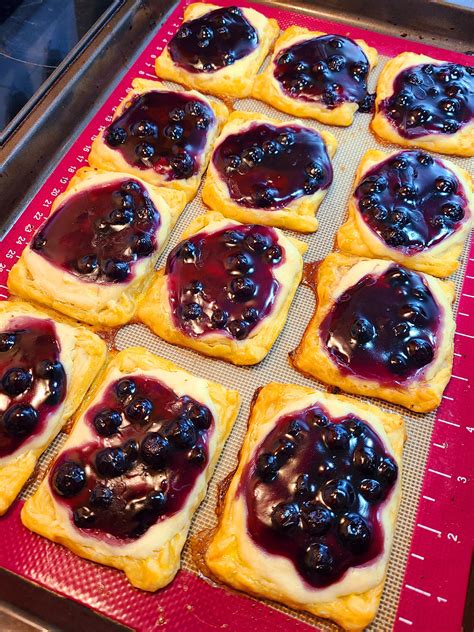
432,595
433,591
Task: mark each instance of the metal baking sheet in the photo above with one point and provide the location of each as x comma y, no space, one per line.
191,602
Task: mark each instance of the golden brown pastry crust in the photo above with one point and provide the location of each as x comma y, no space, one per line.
356,238
459,144
32,276
298,215
266,88
155,312
224,558
109,159
421,394
234,80
87,357
155,571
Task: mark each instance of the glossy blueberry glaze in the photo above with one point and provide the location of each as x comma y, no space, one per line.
431,99
268,167
165,131
384,327
33,382
331,68
217,39
100,233
150,447
314,490
412,201
223,281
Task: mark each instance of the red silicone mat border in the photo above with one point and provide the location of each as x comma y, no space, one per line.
432,596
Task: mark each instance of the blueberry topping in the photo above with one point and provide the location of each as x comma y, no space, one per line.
364,459
430,99
116,270
242,288
238,328
107,422
403,329
267,467
338,495
316,518
20,420
69,479
219,318
200,416
217,39
183,433
251,164
84,517
87,264
387,470
371,490
335,437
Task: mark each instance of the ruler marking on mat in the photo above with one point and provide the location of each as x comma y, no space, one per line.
407,621
418,590
418,557
429,498
423,526
449,423
439,473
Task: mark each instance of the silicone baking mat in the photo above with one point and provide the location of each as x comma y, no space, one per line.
427,575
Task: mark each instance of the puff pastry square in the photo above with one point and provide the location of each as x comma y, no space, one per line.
269,172
427,103
124,488
409,207
218,50
380,330
317,75
309,516
46,367
226,289
95,254
161,135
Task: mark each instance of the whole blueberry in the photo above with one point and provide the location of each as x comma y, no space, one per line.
84,517
239,262
387,470
87,264
354,533
318,419
145,128
318,558
200,416
362,331
139,409
145,151
101,496
305,486
154,450
116,270
107,422
69,479
156,500
116,136
273,255
197,455
188,251
444,185
238,328
177,114
219,318
338,494
191,311
174,132
111,462
335,437
182,165
371,490
233,237
16,381
354,426
183,433
7,341
285,516
143,245
316,518
420,352
20,420
267,466
125,388
250,314
242,288
364,459
257,242
453,212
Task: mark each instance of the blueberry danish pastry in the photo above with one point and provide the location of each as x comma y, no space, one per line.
226,289
317,75
410,207
309,516
380,330
125,486
269,172
46,367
